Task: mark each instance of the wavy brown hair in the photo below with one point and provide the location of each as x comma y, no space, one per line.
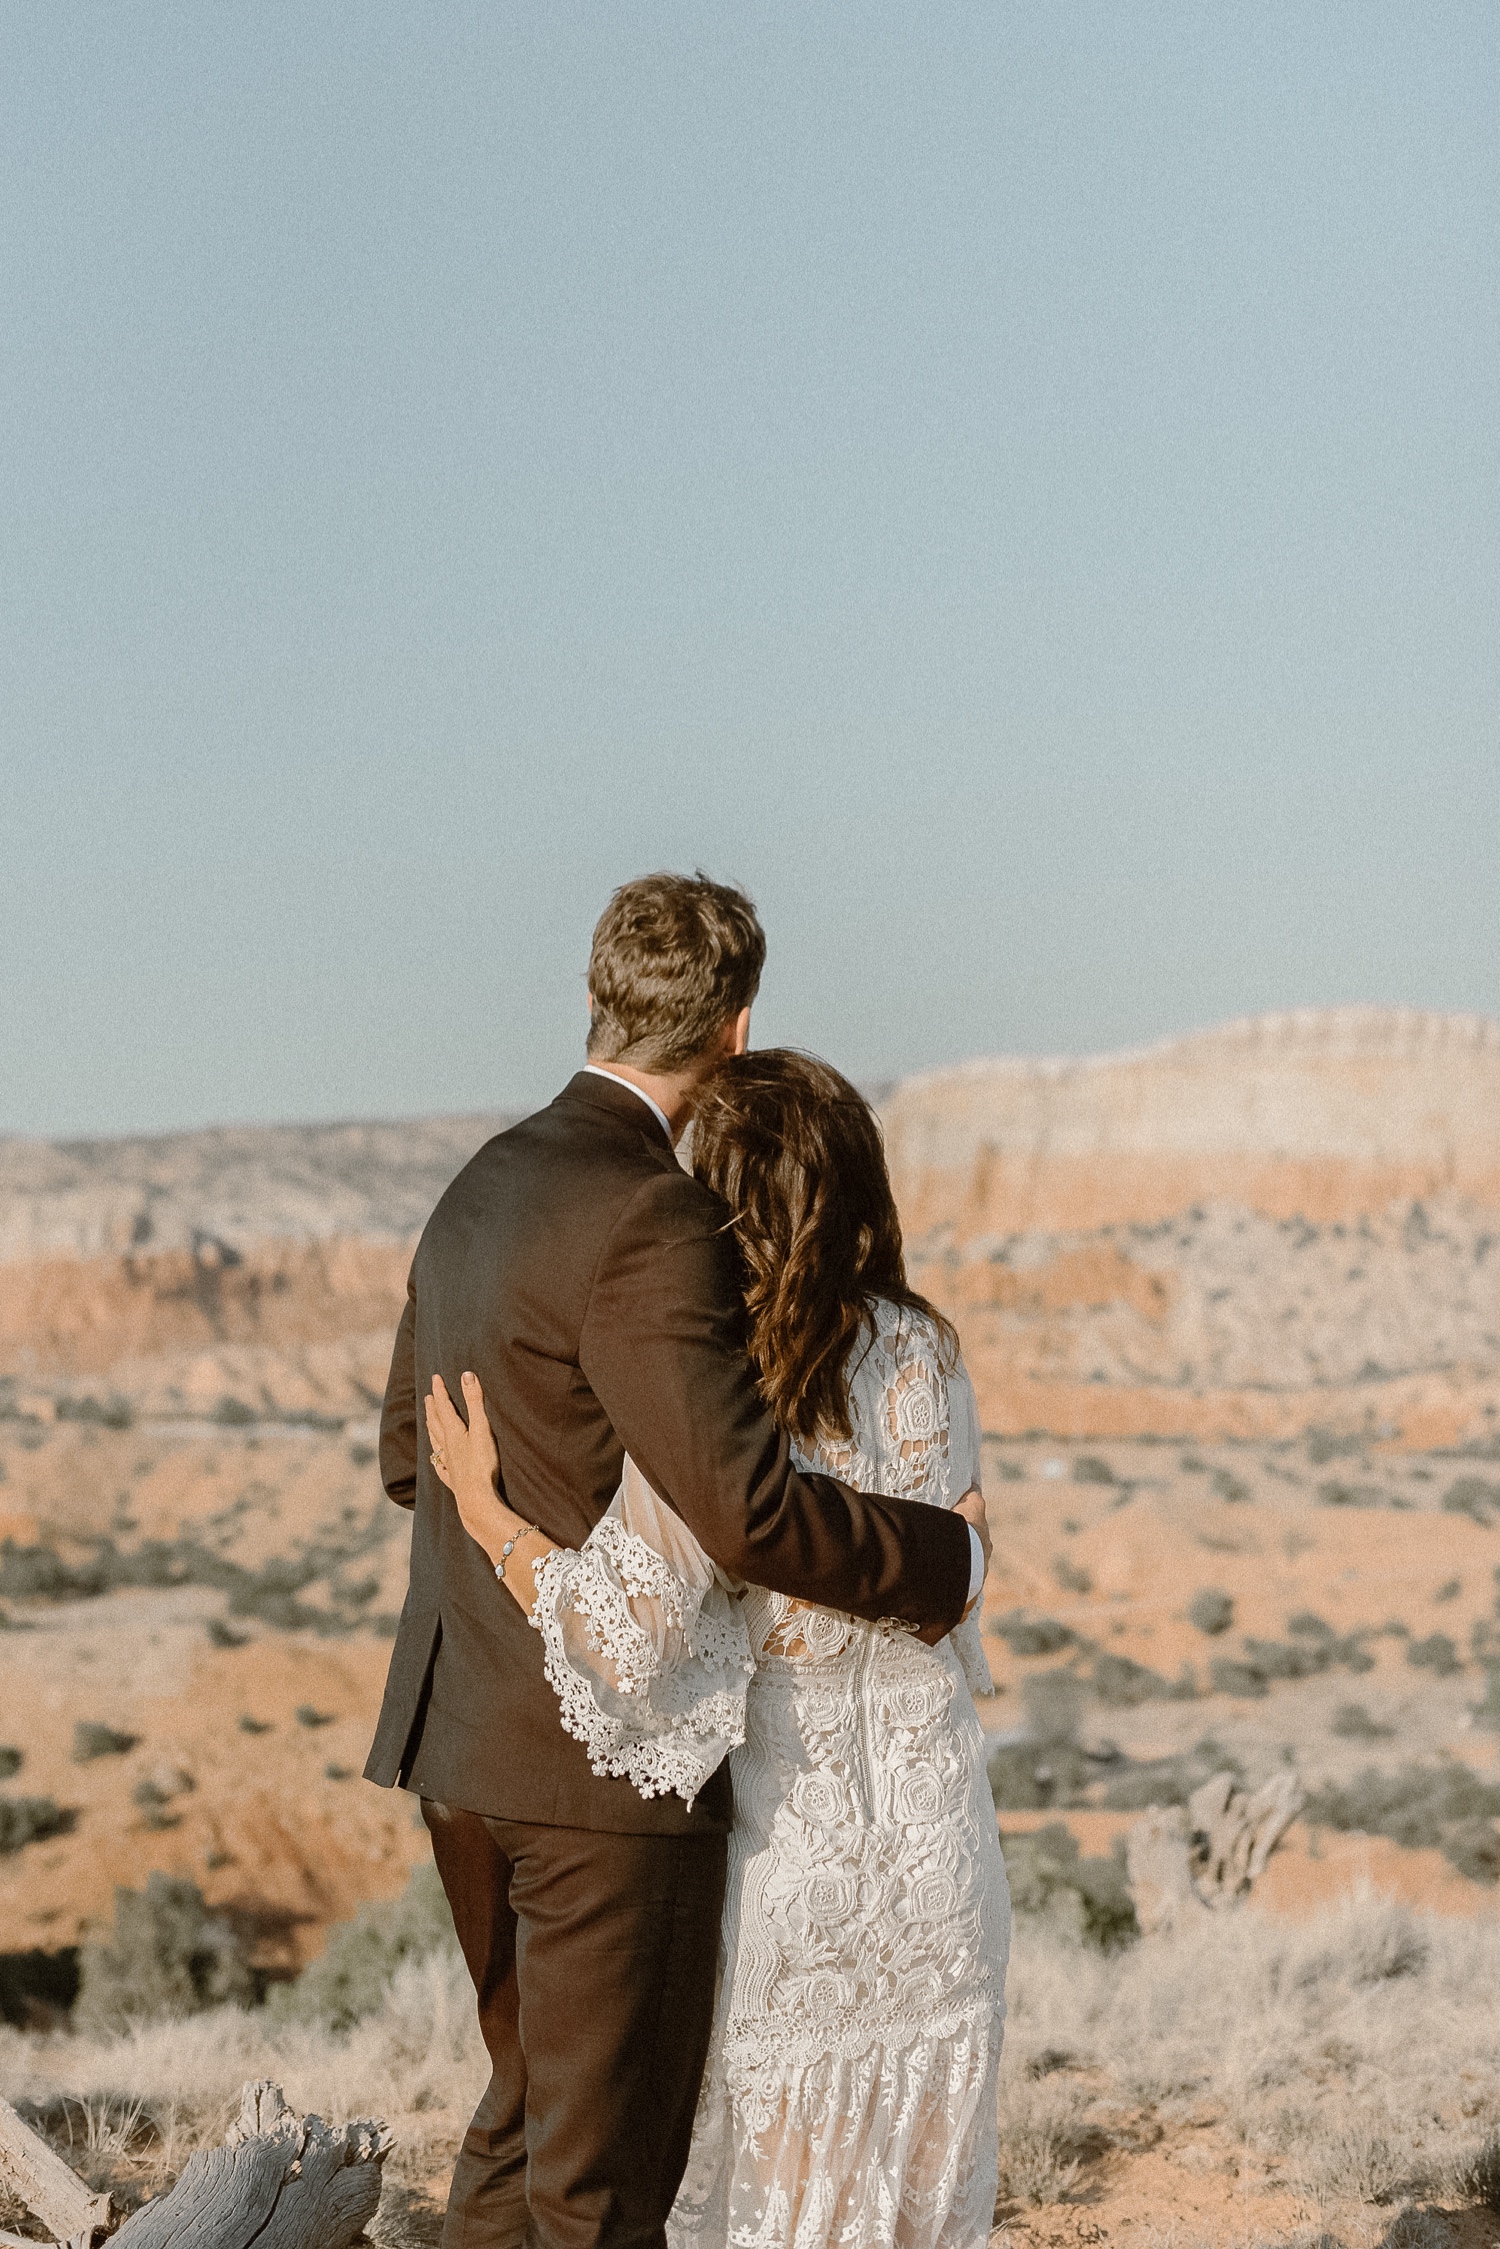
796,1153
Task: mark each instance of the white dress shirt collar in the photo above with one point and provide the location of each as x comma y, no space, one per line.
593,1070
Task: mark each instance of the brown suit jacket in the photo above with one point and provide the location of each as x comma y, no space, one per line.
595,1290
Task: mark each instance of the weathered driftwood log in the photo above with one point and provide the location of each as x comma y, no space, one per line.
1159,1871
41,2179
280,2181
1182,1863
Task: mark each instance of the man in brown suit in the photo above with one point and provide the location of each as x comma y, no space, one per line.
593,1286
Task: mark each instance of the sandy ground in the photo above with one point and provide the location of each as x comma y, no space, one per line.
1112,1541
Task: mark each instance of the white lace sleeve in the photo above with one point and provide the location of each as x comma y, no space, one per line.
963,1475
645,1646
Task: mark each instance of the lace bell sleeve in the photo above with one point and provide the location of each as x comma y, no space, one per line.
963,1474
645,1646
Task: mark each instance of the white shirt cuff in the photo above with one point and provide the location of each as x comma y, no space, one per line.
976,1563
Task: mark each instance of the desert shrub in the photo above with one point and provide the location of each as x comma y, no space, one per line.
1229,1677
224,1636
168,1956
1211,1610
1314,1648
30,1573
1167,1780
359,1595
106,1413
1360,2156
1425,1807
1032,1636
1054,1706
1380,1946
350,1977
1041,2127
1324,1445
306,1715
1229,1487
1350,1495
11,1761
1352,1722
1480,2177
157,1791
1487,1713
1436,1653
1122,1683
31,1819
1048,1766
1473,1847
1475,1497
1288,1659
154,1804
38,1988
1036,1776
1088,1468
92,1738
1450,1591
268,1594
1069,1576
1084,1897
1415,2226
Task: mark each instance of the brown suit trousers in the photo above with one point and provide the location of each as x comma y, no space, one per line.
593,1957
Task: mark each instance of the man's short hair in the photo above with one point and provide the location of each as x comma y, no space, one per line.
674,958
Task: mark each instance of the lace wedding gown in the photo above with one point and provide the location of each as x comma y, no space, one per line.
850,2095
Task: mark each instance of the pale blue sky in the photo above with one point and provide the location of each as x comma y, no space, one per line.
1016,484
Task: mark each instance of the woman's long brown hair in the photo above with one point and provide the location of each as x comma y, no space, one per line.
796,1153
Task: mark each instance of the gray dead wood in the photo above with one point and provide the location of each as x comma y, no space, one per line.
280,2181
1208,1857
1159,1871
32,2170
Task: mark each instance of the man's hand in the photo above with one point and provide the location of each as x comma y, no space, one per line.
971,1507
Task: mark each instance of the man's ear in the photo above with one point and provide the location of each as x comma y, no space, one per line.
737,1033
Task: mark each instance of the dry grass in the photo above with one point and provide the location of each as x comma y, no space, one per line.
1353,2062
129,2110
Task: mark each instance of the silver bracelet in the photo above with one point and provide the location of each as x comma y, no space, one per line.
509,1548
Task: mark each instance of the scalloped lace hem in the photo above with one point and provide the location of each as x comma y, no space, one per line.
895,2149
658,1702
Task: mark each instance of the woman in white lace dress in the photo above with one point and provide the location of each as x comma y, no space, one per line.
850,2095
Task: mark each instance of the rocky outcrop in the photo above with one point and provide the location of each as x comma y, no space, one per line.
1285,1223
1288,1222
1323,1114
241,1273
189,1191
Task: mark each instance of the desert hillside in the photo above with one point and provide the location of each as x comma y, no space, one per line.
246,1271
1233,1308
1285,1224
